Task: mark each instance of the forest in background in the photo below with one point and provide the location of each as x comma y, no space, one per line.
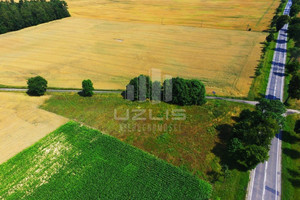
15,16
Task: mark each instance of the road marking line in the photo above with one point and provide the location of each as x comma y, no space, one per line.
252,184
276,175
265,178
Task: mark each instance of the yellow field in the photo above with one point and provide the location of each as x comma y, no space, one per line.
111,53
228,14
22,123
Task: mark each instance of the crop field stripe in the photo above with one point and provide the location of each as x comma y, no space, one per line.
97,166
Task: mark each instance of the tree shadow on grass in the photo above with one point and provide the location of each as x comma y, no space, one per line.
294,154
295,182
289,138
293,173
220,148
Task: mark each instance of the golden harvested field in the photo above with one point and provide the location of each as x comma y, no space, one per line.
228,14
22,123
111,53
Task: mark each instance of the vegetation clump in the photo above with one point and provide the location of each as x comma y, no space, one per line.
37,86
253,132
87,88
176,91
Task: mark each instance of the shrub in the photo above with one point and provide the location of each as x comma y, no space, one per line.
37,86
87,88
293,67
270,37
281,21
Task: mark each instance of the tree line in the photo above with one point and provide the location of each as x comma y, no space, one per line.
253,132
176,91
15,16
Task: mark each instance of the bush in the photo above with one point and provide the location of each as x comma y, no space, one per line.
281,21
293,68
37,86
87,88
270,37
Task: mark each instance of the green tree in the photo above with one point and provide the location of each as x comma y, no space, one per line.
87,88
196,92
254,155
270,37
251,136
293,67
294,33
294,87
294,10
156,91
180,92
281,21
37,86
272,108
294,54
142,86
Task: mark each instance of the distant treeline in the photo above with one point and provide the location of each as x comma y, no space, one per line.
15,16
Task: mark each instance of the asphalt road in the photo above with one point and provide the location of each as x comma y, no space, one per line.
265,179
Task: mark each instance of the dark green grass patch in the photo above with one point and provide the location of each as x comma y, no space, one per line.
188,144
290,160
76,162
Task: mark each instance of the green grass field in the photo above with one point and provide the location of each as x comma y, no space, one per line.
290,160
76,162
194,144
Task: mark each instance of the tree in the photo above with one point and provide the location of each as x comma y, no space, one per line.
281,21
196,92
254,155
270,37
180,92
156,91
294,10
295,54
37,86
293,67
142,86
294,33
87,88
294,87
268,105
252,135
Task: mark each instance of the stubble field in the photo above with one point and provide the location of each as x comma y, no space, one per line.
22,123
111,53
225,14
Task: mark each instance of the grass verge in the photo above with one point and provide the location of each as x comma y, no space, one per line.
260,82
76,162
290,160
194,144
